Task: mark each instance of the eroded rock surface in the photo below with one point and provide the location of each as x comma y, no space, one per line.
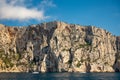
58,47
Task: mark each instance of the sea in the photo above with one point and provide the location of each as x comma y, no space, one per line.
60,76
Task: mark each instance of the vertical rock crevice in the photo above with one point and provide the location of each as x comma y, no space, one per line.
116,65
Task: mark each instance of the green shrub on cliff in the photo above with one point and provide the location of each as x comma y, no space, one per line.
8,63
78,64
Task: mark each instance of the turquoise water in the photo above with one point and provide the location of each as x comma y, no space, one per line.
60,76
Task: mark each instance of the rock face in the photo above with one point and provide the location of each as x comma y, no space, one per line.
58,47
117,56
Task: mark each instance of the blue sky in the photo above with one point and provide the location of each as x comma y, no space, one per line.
101,13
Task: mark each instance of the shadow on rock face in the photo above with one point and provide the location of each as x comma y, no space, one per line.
116,65
88,67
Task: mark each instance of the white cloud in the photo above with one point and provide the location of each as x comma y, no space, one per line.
14,2
13,10
47,3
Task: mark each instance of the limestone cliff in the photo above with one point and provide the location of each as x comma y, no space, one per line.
58,47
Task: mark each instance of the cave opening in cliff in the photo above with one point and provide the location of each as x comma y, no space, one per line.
117,70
